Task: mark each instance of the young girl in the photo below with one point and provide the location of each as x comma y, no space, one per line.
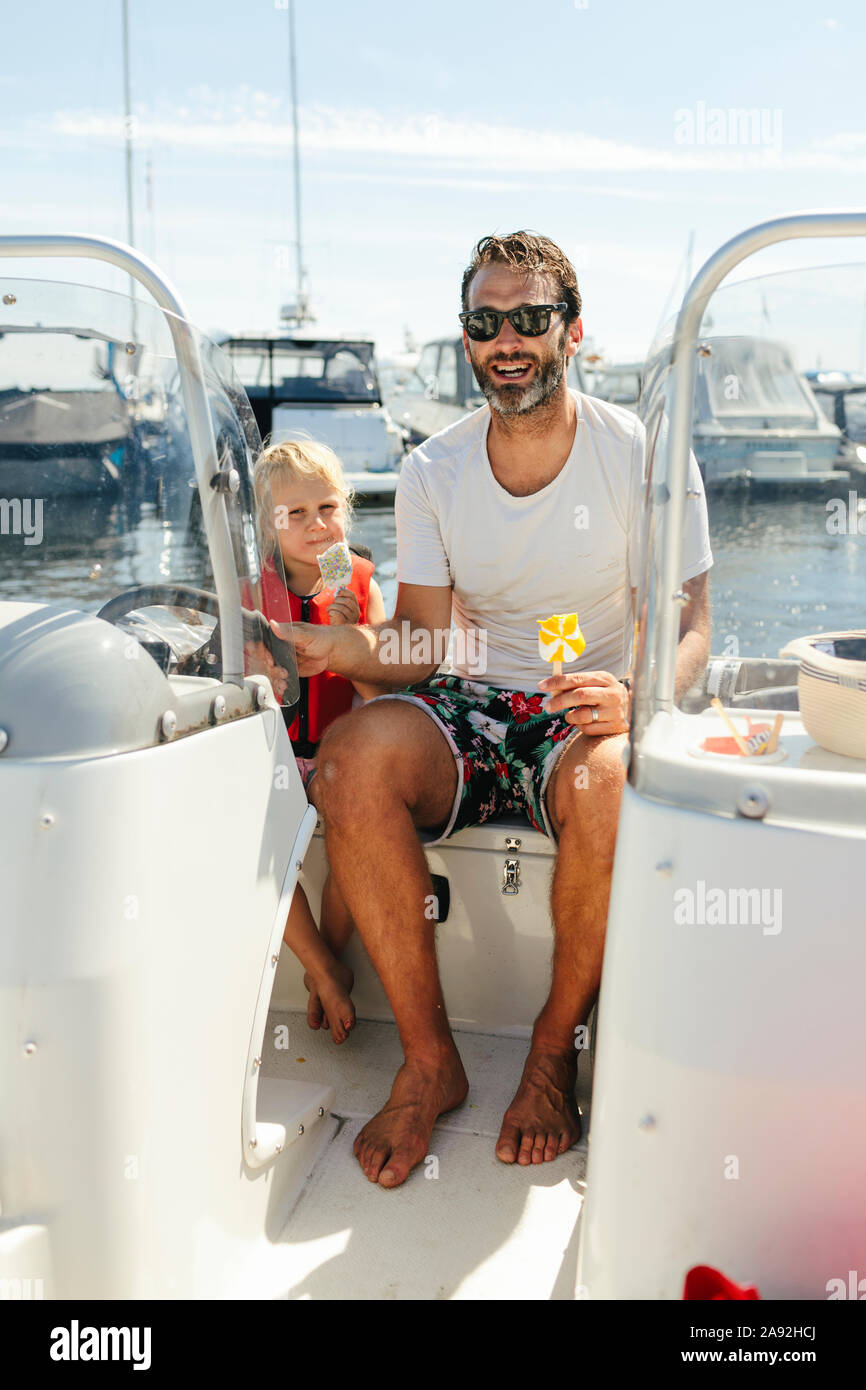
312,511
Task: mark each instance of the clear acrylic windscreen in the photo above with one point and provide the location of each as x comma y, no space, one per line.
780,395
98,491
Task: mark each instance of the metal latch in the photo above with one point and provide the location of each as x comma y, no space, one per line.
511,868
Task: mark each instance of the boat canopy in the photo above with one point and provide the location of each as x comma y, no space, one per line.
317,371
747,380
115,490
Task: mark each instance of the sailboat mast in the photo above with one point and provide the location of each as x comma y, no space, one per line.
293,79
128,130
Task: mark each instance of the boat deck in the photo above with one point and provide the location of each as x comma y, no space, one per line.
464,1227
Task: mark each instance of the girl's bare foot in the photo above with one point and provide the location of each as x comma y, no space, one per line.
329,1004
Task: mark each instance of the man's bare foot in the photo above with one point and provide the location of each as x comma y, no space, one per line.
390,1145
542,1120
329,1005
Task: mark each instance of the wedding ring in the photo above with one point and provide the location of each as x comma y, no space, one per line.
595,714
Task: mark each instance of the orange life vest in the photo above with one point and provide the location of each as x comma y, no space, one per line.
326,696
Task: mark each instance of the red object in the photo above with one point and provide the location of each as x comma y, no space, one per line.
709,1285
726,744
328,695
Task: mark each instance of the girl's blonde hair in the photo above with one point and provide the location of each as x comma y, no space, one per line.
297,459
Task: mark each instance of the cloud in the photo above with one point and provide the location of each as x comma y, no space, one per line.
250,123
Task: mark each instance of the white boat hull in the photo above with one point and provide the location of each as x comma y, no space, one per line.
134,960
730,1120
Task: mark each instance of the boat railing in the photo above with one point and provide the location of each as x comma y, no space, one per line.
682,393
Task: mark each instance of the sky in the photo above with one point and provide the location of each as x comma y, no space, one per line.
609,125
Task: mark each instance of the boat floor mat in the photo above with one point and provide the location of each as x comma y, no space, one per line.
464,1225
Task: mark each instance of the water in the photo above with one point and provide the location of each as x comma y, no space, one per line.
778,573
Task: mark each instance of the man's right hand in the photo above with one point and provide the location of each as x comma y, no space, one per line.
314,645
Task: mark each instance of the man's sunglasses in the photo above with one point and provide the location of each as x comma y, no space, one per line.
530,321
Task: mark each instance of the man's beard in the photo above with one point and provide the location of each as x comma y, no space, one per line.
510,401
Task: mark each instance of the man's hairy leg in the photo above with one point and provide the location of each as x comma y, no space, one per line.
542,1121
384,770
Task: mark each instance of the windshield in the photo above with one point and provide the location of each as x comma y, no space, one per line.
768,387
785,486
98,490
309,370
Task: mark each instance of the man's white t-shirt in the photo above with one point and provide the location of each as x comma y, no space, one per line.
574,546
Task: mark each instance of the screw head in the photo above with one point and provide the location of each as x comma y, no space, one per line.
665,868
261,697
29,1049
168,723
131,349
4,739
257,1061
300,1129
753,802
219,707
321,1111
47,820
9,299
647,1122
274,960
253,1143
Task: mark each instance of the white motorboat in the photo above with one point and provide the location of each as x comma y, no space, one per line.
756,416
171,1128
756,421
327,389
441,388
617,382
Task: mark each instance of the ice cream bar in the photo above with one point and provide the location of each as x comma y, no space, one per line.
336,566
560,638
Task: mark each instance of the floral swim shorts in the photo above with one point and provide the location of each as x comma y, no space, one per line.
504,744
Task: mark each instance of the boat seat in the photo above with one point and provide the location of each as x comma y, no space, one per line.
493,945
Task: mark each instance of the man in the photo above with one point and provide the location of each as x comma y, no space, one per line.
529,506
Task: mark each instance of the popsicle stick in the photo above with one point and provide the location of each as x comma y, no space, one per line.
557,668
774,735
737,737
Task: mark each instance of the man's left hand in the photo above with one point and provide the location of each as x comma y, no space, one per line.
584,692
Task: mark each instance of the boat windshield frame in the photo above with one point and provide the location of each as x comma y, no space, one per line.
674,373
197,408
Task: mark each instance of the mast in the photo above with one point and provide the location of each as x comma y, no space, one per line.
128,132
301,314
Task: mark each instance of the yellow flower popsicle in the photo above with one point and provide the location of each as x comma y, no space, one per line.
560,639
